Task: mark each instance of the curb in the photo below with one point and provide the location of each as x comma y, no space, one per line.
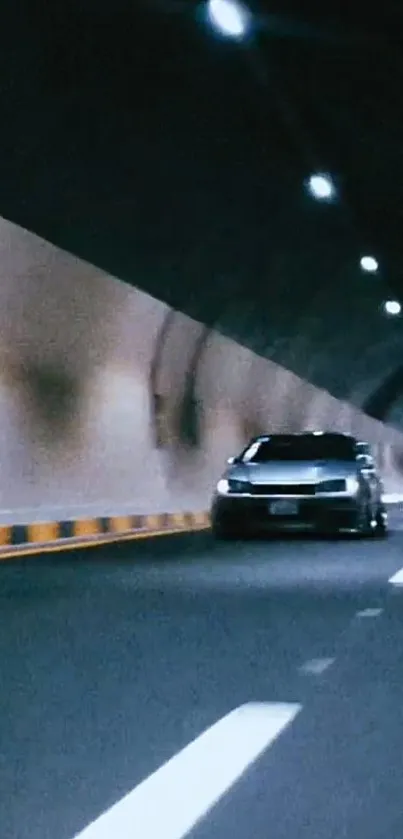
48,536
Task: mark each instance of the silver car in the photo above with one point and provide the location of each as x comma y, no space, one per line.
320,481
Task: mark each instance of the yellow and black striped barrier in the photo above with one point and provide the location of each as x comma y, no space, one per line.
48,536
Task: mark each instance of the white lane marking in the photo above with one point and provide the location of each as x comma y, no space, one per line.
369,613
169,803
316,666
397,579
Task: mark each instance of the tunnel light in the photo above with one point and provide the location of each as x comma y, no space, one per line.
392,307
229,17
369,264
321,187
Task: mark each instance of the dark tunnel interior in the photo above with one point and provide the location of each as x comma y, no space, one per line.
195,191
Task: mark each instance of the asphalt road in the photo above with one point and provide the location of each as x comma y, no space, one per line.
112,660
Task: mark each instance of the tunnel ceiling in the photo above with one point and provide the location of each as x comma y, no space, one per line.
134,137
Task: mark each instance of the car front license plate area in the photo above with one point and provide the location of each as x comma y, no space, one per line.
284,507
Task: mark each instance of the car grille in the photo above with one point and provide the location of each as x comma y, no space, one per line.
282,489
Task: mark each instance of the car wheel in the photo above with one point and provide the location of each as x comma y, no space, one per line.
328,531
364,527
381,528
223,532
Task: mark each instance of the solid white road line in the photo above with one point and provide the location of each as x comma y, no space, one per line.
169,803
397,579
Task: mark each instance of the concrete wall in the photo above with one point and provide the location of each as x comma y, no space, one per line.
76,408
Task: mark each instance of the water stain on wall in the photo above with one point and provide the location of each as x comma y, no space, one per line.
53,395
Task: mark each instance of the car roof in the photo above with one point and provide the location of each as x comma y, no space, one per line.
300,434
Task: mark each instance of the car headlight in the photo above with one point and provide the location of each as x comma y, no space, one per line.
226,486
353,485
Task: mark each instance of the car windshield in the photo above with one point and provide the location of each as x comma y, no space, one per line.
280,448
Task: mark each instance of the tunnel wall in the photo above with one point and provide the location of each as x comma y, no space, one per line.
83,425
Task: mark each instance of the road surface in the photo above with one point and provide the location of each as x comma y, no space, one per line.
113,660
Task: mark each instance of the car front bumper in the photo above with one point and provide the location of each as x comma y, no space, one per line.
251,513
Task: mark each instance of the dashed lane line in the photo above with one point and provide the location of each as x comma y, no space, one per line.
169,803
317,666
397,579
369,613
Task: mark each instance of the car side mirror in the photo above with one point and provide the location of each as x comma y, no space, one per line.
232,460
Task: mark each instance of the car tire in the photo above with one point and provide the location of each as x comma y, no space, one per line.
364,529
381,529
221,532
327,529
329,533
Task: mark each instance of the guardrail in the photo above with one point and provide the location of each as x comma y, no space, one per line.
48,536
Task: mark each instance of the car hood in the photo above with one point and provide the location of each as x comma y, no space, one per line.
291,471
